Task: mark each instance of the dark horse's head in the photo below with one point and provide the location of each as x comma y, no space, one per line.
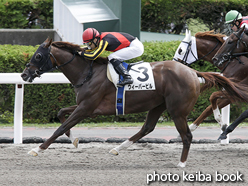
39,63
232,47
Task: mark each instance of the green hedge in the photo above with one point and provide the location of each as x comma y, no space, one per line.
157,15
15,13
43,101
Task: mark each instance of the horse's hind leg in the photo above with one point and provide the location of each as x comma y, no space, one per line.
216,96
149,125
61,115
184,131
207,112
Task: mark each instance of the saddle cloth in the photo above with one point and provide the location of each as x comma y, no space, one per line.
143,80
141,73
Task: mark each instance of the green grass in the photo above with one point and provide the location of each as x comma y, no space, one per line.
110,124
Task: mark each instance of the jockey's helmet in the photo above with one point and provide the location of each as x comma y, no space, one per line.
90,34
232,16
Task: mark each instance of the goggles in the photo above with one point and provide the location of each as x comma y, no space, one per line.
88,44
232,25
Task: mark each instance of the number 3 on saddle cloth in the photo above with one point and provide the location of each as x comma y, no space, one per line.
143,79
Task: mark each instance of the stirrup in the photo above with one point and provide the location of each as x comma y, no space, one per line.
125,82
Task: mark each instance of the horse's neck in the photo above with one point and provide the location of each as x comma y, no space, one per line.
75,70
206,48
79,69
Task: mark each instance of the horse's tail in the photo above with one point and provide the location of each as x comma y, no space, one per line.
236,92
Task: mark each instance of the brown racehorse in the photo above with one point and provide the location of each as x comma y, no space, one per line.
207,44
177,90
235,45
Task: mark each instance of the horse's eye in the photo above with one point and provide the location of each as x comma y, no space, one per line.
38,57
180,51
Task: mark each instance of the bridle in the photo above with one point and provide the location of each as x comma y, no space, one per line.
185,57
230,55
47,66
188,50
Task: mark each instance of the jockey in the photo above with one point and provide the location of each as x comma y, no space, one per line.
236,21
124,47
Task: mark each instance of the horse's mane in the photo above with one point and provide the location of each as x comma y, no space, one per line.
72,48
211,33
67,46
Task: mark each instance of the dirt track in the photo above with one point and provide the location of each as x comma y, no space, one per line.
91,164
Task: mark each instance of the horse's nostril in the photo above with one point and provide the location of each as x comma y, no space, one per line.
23,75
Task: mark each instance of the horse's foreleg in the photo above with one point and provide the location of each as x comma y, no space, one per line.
184,131
231,127
149,125
73,119
61,115
207,112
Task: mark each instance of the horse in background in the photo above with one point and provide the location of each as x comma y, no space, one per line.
203,47
236,45
177,90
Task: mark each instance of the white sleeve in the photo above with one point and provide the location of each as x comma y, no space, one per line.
244,25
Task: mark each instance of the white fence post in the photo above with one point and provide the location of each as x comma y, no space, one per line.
18,111
15,78
225,112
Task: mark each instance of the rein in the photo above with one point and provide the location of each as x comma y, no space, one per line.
225,66
240,40
210,51
57,67
87,78
230,55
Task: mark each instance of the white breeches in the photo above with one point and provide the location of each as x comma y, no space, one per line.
135,49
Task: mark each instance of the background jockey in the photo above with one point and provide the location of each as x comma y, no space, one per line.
236,21
124,47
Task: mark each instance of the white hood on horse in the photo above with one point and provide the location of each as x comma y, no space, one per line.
187,50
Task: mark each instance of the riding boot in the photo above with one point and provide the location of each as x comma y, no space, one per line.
120,69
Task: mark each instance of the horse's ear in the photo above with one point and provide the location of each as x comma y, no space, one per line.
48,42
187,36
242,28
190,33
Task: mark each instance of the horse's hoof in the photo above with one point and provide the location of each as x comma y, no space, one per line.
33,153
192,127
75,142
114,152
182,164
222,137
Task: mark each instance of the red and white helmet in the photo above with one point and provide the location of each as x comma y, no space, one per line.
90,34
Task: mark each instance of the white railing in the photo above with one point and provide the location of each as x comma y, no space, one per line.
15,78
51,78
